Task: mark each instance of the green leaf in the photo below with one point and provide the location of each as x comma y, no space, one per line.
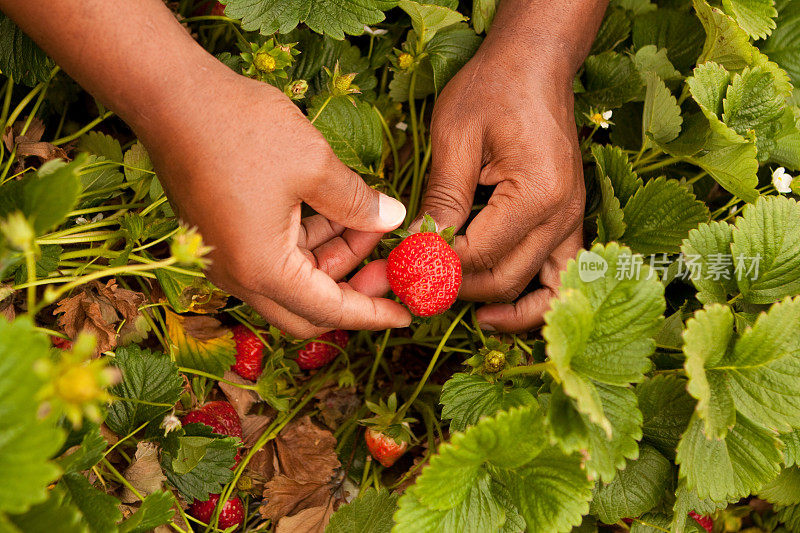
450,50
660,215
754,16
574,431
26,440
790,516
601,330
478,512
767,236
46,263
611,80
786,150
706,339
507,440
353,131
428,19
101,145
662,119
666,410
708,261
138,165
147,376
371,512
791,451
466,398
330,17
650,58
686,501
57,509
91,450
677,32
201,343
615,29
100,510
482,14
612,162
52,193
156,510
20,57
209,474
782,45
636,489
552,493
610,218
726,42
784,489
95,182
746,460
734,167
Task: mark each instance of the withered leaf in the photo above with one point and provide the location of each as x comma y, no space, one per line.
144,473
306,452
284,496
312,520
98,309
30,144
337,404
241,399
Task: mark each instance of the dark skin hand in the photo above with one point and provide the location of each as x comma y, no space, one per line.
237,158
506,120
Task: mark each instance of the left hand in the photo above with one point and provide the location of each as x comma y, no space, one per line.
507,121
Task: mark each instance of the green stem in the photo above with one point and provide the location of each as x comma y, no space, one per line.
321,109
121,478
412,106
30,266
83,130
660,165
373,371
402,411
217,378
527,370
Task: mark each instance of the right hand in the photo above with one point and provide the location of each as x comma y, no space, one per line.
237,162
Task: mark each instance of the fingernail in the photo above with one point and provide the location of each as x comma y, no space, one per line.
390,211
487,327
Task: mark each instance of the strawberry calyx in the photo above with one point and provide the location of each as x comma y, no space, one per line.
387,420
428,225
493,358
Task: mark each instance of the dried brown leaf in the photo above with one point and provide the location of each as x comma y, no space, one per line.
312,520
7,309
284,496
337,404
241,399
306,452
98,309
203,328
144,473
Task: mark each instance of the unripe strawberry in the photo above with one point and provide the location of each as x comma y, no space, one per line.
249,353
425,273
232,513
384,448
264,62
318,354
296,90
494,361
405,60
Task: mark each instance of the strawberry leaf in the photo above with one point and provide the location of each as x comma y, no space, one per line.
156,510
428,19
666,410
754,16
726,42
791,450
662,115
100,510
201,343
353,131
211,471
702,250
57,509
146,376
782,45
20,57
371,512
678,32
614,164
784,489
466,398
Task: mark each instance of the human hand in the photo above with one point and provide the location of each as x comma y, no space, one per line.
507,121
238,162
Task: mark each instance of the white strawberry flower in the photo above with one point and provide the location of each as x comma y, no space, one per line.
402,126
782,181
602,119
375,32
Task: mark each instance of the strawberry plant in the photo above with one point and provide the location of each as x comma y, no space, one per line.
661,394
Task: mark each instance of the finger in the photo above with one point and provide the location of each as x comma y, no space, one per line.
317,230
343,197
455,169
312,294
507,279
371,280
340,255
527,193
528,312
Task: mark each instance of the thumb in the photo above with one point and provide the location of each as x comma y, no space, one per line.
343,197
455,169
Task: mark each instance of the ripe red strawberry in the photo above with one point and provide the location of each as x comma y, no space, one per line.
220,416
706,522
384,448
232,513
249,353
218,9
425,273
317,354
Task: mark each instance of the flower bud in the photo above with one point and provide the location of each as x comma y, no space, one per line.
264,62
17,231
405,60
296,90
494,361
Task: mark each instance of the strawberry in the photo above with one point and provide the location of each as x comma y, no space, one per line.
62,344
220,416
218,10
232,513
706,522
384,448
249,353
425,272
317,354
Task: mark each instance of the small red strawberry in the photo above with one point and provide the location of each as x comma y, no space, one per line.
219,415
318,354
249,353
387,434
62,344
218,10
706,522
384,448
232,513
425,272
